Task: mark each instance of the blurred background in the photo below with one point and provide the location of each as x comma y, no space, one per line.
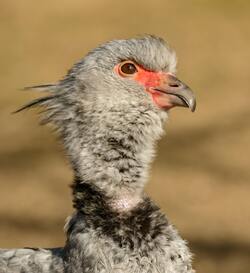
201,177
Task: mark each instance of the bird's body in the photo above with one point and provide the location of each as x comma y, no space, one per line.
109,111
29,260
141,241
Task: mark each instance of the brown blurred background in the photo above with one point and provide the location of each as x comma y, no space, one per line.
201,176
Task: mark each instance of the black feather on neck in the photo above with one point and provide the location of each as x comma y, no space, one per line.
93,209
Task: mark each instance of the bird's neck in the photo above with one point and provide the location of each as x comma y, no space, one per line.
113,152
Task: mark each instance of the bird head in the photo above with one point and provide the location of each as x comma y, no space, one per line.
123,73
139,72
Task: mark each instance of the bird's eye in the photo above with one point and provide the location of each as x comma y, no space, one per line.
127,68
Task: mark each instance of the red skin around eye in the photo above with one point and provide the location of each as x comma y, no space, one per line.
150,80
144,77
154,79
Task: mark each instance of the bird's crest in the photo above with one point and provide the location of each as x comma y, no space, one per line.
39,101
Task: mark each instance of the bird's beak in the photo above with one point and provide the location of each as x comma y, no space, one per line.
175,92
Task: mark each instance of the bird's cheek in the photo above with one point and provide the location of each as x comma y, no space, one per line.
161,100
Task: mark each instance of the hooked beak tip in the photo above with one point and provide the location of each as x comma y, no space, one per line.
191,104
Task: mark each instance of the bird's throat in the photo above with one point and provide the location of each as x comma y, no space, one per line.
125,202
115,153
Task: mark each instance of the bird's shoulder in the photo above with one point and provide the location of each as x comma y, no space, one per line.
27,260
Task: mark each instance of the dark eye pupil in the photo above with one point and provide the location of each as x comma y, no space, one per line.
128,68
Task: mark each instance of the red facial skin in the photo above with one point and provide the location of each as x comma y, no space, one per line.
149,80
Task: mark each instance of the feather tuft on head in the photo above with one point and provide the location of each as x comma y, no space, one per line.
39,101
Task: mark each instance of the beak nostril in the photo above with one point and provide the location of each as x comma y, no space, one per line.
174,85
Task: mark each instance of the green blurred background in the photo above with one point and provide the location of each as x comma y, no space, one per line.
201,177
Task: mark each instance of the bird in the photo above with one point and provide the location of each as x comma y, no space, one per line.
109,111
